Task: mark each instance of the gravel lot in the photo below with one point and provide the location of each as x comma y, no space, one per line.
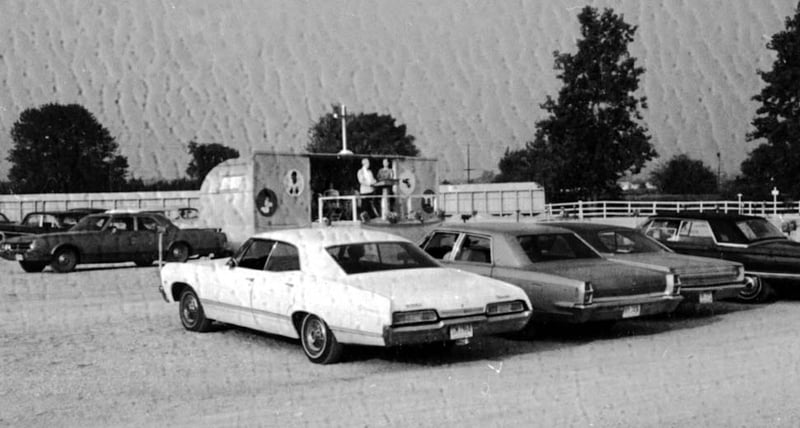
98,347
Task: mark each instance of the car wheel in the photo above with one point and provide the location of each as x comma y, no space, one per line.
192,315
32,266
178,252
755,290
319,343
64,260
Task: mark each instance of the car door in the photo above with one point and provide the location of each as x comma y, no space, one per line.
275,288
146,237
119,239
232,293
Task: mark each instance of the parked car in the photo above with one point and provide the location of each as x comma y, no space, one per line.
770,259
112,238
703,280
4,219
564,278
335,286
39,222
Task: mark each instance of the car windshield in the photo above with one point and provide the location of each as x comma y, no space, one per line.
622,241
555,246
758,229
91,223
378,256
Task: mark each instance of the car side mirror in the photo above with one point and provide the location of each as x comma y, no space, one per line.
112,229
231,263
161,229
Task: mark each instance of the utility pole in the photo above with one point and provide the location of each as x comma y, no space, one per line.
719,172
468,169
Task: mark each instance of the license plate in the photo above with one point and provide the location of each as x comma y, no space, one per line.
18,257
631,311
463,331
706,297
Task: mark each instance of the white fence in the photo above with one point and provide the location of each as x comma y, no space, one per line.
16,206
607,209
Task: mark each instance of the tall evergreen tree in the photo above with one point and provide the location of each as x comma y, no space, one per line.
777,120
591,137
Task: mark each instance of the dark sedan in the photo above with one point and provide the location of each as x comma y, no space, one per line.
770,258
112,238
703,280
564,278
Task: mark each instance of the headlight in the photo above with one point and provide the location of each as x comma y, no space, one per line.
502,308
414,317
673,284
739,273
33,244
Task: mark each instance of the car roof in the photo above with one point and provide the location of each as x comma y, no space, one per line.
706,216
582,226
509,228
330,236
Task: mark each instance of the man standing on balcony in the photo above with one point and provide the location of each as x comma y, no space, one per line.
366,182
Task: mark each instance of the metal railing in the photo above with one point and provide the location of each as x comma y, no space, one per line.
605,209
387,207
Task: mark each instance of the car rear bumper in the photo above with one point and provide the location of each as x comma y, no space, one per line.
622,309
441,331
716,292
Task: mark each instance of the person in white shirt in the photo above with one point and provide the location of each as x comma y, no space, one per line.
366,181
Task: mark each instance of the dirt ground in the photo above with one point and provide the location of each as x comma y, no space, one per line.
98,347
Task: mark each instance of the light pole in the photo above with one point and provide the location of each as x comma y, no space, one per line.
775,194
343,113
739,195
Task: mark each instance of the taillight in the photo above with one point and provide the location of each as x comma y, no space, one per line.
588,293
414,317
502,308
673,284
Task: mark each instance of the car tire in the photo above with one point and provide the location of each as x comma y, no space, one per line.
64,260
319,343
178,252
756,290
191,311
32,266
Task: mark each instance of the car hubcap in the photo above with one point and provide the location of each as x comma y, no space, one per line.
315,337
752,286
190,308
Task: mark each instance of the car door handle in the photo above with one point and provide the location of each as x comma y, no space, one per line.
289,284
250,279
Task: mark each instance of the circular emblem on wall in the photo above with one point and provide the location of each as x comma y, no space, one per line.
406,183
427,201
266,202
294,182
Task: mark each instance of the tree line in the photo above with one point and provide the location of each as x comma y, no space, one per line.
592,136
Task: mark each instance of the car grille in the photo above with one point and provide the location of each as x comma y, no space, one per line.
17,246
701,279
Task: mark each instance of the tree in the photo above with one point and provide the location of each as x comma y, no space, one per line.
591,137
205,157
777,120
683,175
63,148
367,133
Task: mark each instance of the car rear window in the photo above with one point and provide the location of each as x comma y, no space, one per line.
379,256
550,247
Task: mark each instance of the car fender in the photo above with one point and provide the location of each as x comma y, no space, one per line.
547,292
353,314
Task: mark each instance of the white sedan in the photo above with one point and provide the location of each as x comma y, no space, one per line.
335,286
